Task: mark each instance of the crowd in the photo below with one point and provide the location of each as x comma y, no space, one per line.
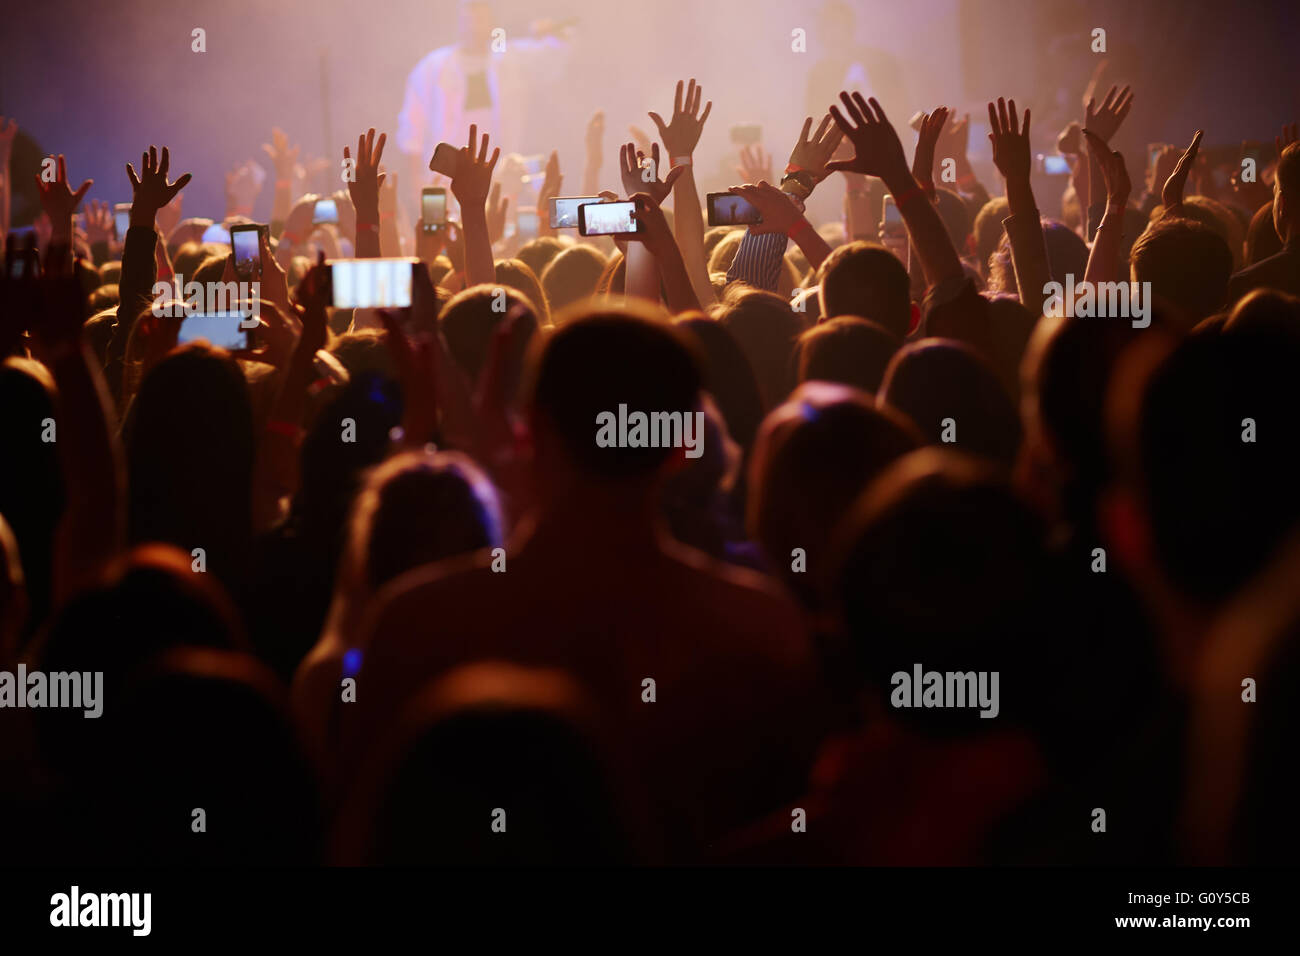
371,591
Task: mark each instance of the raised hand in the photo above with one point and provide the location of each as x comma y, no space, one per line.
1290,134
1172,193
470,186
283,157
496,214
778,212
474,169
813,153
1010,139
932,125
60,201
242,188
98,221
1113,169
595,138
150,190
877,150
1104,120
755,164
641,175
550,188
681,135
366,179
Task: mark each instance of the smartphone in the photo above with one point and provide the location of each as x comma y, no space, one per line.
746,134
564,210
246,242
326,213
1053,165
527,224
728,209
371,283
121,218
222,329
608,219
444,159
891,220
433,208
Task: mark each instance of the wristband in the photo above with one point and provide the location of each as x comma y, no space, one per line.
794,168
798,228
385,216
367,226
283,184
908,195
287,429
293,239
680,161
1117,208
967,181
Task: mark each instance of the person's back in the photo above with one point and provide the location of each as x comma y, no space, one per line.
701,670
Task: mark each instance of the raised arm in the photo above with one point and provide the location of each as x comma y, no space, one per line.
594,142
758,260
363,187
782,217
1172,194
8,130
658,239
639,174
91,531
1011,155
1102,121
470,186
284,159
878,152
150,192
680,136
1104,263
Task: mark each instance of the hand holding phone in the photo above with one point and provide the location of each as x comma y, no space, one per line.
433,208
444,160
564,210
728,209
246,243
608,219
371,283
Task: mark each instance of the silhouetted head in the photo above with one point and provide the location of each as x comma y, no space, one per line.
954,398
867,280
848,350
766,328
943,568
420,507
1188,265
584,372
572,276
470,320
814,455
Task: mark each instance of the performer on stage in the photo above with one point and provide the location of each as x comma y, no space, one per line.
482,79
